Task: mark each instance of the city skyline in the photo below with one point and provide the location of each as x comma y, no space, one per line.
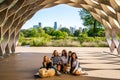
64,15
55,27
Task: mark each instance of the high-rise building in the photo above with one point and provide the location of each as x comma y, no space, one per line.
37,26
55,25
72,30
60,26
80,28
40,24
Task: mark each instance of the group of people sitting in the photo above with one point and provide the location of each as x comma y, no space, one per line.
64,63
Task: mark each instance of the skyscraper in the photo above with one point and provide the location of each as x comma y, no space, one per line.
40,24
72,29
80,28
55,25
37,26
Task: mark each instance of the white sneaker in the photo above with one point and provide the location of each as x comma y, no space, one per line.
58,73
84,72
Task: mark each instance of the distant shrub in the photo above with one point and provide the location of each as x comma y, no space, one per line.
38,41
94,44
103,44
83,40
63,43
89,44
24,42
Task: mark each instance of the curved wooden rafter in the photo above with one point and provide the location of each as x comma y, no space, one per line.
14,13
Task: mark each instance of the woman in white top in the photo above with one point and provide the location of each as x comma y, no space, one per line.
64,58
75,65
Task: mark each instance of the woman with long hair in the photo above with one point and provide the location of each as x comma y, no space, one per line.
69,56
75,65
56,59
47,63
64,59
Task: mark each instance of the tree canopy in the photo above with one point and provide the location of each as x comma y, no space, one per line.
77,33
89,21
64,29
48,30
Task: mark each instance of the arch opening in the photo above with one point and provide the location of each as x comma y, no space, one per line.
19,18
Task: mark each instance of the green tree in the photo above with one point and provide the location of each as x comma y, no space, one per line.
59,34
41,32
84,31
82,37
48,30
21,37
89,21
25,32
65,34
77,33
64,29
100,32
32,32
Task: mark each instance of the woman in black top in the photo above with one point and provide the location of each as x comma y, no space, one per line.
47,63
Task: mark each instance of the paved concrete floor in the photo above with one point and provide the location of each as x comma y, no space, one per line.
96,61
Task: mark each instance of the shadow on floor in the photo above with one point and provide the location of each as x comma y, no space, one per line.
23,66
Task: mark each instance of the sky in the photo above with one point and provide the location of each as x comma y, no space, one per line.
63,14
